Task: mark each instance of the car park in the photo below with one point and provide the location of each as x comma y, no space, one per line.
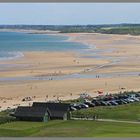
107,100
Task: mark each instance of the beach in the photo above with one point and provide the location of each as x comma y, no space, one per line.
111,64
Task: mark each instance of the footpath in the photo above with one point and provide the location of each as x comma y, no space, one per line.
105,120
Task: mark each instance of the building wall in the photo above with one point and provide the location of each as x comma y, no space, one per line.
66,116
46,118
39,119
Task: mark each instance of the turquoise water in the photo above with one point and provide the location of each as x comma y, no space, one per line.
12,44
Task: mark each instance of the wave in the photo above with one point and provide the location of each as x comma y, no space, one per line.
10,55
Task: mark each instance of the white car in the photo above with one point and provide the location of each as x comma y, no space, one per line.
135,99
85,95
131,100
84,106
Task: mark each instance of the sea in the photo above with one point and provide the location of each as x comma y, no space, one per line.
14,44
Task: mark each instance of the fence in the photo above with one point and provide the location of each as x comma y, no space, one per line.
78,117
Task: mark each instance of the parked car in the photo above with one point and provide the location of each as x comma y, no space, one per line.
72,108
135,99
77,106
120,102
96,102
108,103
131,100
137,94
113,102
84,106
90,104
85,96
104,103
124,102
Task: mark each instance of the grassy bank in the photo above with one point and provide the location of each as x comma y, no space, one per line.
70,129
122,112
78,128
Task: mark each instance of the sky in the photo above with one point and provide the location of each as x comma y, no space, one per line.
69,13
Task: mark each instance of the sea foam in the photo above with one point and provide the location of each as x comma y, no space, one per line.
10,55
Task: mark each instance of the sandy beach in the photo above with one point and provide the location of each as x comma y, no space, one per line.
108,54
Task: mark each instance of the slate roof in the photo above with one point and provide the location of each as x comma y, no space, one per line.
52,106
56,114
23,111
54,109
38,109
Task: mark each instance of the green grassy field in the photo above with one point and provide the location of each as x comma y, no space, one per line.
69,128
129,112
78,128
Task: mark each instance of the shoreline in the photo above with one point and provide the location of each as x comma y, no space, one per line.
20,54
29,31
61,63
35,31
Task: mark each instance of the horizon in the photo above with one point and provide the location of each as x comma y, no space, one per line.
68,24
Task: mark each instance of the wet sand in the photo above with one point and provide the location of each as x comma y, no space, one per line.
107,54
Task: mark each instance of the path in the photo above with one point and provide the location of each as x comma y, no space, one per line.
106,120
110,120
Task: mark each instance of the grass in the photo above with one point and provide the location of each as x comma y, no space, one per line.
4,113
130,112
4,117
78,128
69,128
133,30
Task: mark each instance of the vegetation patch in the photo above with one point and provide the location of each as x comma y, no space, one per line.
69,128
122,112
5,118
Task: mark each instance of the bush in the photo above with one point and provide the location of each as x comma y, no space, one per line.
5,118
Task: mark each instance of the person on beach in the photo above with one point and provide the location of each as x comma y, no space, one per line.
105,83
